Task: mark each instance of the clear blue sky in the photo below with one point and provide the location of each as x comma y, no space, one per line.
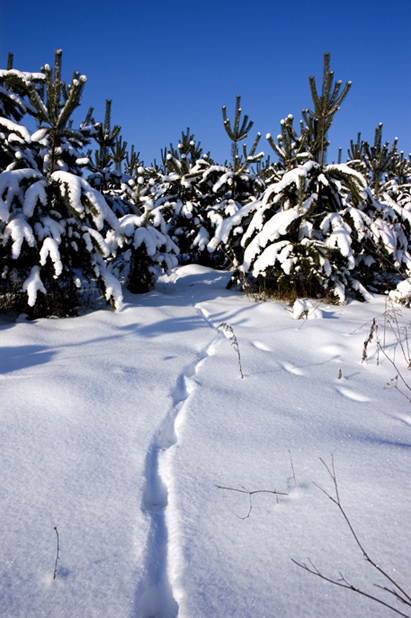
171,64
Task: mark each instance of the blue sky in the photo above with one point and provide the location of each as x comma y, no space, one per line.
169,65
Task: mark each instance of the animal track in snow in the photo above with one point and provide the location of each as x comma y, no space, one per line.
405,418
350,394
261,346
155,591
292,369
335,351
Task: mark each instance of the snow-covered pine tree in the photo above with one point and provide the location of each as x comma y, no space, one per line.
319,232
317,229
185,208
106,175
141,247
387,209
52,222
230,187
296,242
378,161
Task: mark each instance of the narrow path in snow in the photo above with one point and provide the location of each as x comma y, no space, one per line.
155,596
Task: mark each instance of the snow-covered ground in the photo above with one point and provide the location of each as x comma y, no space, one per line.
117,428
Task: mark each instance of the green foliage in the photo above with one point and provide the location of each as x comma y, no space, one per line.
51,220
106,138
380,161
318,231
326,105
182,159
293,227
237,133
291,148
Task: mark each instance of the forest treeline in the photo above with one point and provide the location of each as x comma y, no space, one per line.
80,212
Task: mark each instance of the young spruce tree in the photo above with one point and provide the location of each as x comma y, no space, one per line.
52,222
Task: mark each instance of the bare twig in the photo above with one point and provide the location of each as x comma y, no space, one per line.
307,314
57,553
292,468
398,592
342,583
243,490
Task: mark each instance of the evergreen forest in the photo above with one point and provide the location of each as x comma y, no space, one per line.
82,216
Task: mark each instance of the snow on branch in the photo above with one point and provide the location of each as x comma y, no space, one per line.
50,248
18,230
32,285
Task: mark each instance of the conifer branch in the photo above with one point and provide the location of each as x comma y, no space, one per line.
236,133
325,107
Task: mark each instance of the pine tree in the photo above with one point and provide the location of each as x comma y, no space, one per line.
178,196
182,159
52,221
106,175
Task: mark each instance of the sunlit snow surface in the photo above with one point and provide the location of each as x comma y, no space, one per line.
116,428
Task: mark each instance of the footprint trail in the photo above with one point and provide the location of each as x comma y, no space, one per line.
155,597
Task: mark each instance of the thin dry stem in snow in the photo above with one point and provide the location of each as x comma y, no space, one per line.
396,590
243,490
228,329
401,343
368,340
57,552
292,468
307,314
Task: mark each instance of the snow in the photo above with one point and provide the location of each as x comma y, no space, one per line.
349,171
32,285
276,251
10,183
340,235
117,428
39,135
402,291
35,193
225,226
4,211
113,290
16,128
272,230
50,248
19,231
74,188
294,176
22,75
305,309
